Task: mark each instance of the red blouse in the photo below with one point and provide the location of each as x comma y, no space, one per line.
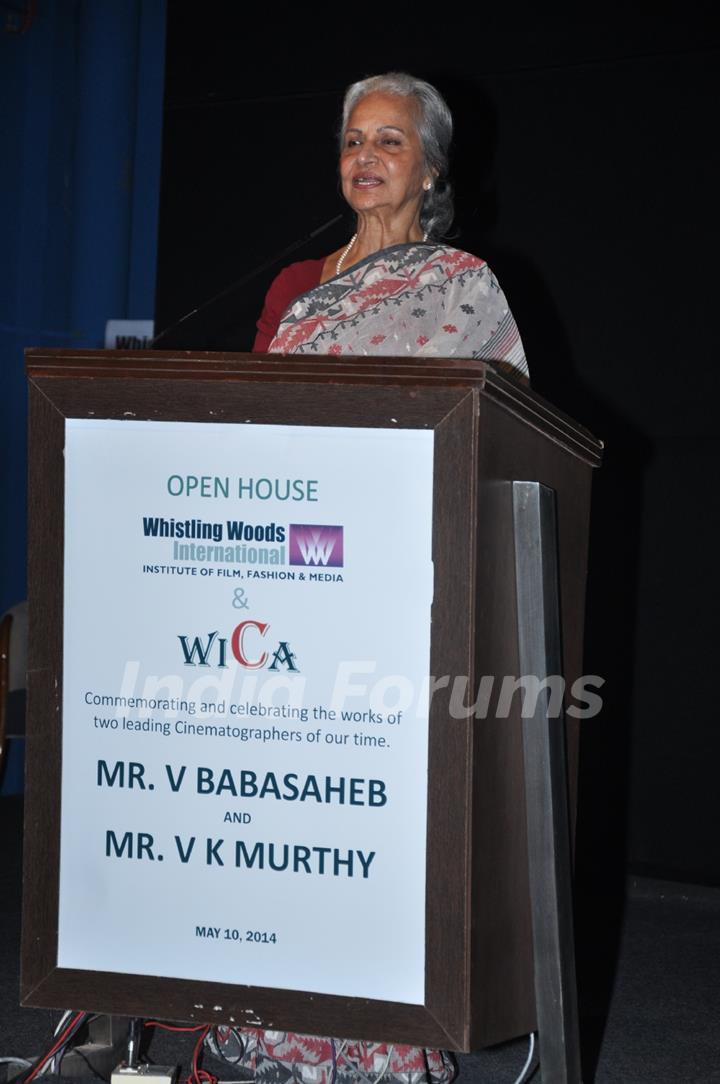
292,281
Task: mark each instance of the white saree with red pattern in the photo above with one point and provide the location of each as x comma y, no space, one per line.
417,300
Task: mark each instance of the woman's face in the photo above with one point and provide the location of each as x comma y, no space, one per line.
382,165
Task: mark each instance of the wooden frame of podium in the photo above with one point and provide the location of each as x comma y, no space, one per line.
489,431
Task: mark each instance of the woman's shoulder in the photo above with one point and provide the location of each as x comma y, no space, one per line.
303,274
427,254
459,255
293,280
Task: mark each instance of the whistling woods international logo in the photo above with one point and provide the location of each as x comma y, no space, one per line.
313,544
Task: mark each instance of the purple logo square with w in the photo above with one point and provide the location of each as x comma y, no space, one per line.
316,544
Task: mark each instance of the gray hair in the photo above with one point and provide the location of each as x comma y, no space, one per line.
434,127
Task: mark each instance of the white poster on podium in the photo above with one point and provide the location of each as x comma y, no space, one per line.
245,704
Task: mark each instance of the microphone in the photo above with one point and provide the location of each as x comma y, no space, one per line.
244,280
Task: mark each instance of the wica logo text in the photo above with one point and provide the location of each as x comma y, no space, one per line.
212,650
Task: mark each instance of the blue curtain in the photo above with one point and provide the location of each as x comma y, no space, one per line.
81,121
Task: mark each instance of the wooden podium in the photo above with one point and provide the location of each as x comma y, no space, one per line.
488,433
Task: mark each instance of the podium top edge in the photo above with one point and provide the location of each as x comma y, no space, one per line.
510,392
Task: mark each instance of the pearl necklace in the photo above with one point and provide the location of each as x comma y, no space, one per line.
345,251
343,254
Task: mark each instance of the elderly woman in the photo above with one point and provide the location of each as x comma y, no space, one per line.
395,288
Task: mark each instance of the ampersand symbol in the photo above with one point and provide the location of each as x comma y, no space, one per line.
239,600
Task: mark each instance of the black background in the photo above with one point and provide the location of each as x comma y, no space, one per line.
587,174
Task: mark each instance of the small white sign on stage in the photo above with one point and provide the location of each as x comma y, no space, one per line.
129,334
245,704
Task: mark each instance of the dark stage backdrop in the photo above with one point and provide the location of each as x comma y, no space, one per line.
587,174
